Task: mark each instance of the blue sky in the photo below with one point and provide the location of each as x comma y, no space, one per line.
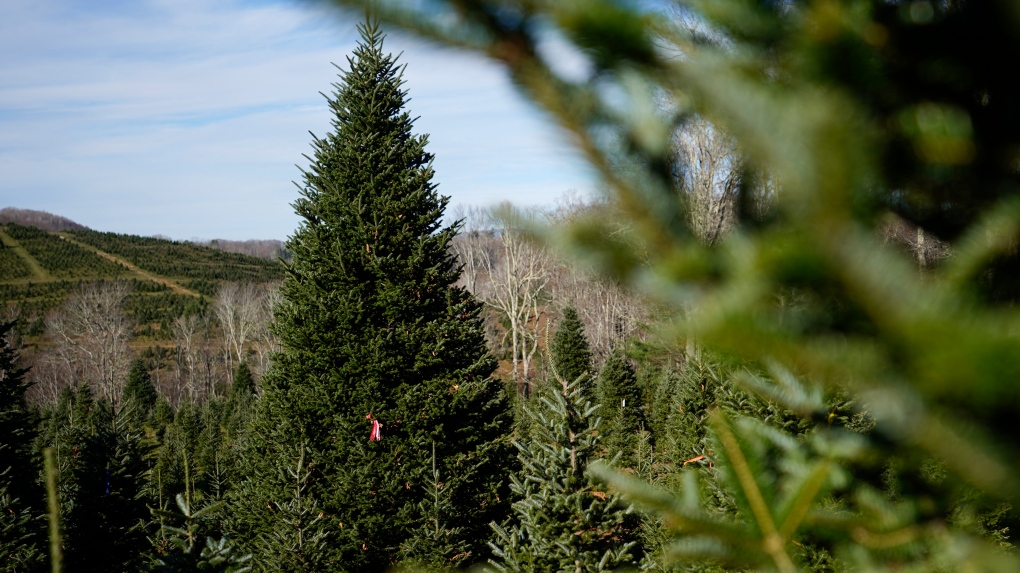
186,118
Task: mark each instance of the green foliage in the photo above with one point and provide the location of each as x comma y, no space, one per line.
202,286
20,531
244,385
620,406
562,521
373,328
197,453
139,395
843,115
60,257
299,539
187,553
163,307
21,528
101,465
183,260
149,302
571,355
12,266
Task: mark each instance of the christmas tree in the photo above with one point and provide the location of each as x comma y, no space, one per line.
244,385
570,351
620,406
139,394
564,522
21,531
101,463
382,356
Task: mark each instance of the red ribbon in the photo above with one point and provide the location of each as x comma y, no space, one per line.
376,434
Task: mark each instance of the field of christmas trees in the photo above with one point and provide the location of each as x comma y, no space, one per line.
785,340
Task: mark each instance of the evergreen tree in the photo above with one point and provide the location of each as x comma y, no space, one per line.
372,329
244,384
20,528
299,539
101,479
139,394
620,406
570,351
185,551
564,522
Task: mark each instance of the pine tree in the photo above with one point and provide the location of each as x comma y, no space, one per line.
300,539
564,521
571,354
373,329
21,531
185,551
139,393
620,406
102,467
244,384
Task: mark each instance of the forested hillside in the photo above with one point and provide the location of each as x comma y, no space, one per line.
86,301
38,219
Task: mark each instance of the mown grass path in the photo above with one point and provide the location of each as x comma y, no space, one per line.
38,272
134,269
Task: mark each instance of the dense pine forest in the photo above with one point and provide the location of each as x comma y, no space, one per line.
784,340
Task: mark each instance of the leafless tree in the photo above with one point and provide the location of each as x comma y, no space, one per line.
186,330
92,335
708,171
49,376
266,342
475,244
518,277
610,313
238,308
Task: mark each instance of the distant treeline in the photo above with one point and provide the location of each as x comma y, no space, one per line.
271,249
38,219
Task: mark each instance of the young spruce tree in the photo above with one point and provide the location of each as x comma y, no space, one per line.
21,529
571,353
564,522
372,329
620,406
139,395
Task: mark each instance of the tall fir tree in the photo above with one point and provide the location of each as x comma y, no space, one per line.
571,353
373,330
21,531
564,522
620,406
139,395
244,384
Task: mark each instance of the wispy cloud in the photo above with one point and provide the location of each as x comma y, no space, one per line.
186,117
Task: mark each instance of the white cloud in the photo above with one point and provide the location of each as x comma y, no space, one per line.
186,117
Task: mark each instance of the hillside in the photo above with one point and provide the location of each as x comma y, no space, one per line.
271,249
38,219
39,268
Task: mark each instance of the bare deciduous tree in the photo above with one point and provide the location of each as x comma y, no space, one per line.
609,312
49,376
475,244
708,170
92,334
237,307
266,342
186,330
518,279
